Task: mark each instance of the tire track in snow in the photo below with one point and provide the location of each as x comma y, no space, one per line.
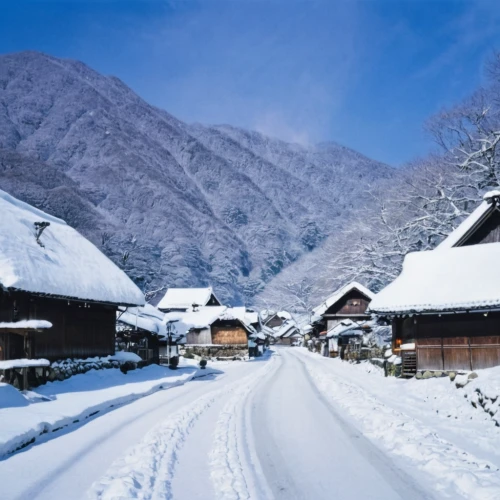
235,471
146,471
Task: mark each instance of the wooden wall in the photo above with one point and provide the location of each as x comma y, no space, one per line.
201,337
226,332
77,331
353,303
452,341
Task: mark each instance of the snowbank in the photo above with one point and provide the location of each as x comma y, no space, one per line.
35,324
72,401
11,397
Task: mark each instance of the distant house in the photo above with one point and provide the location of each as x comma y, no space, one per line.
58,293
445,304
287,333
141,330
213,325
348,303
273,319
183,299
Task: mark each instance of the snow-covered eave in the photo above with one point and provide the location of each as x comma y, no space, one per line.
69,297
421,311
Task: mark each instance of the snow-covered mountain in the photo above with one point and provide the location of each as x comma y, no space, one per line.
173,204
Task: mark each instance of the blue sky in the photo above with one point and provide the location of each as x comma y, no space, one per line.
366,74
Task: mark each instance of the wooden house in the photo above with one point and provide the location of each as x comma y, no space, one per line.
58,293
348,303
185,299
445,305
212,325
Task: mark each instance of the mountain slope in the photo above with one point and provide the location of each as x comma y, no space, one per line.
174,204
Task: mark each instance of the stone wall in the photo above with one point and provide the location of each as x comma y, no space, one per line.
220,352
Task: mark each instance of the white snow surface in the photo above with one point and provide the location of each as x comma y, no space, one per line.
29,324
68,265
23,363
81,396
337,295
203,317
184,298
453,448
461,278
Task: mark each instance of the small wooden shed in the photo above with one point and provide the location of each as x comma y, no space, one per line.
445,305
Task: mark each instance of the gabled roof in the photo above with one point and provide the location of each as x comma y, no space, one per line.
66,266
184,298
336,296
467,227
456,279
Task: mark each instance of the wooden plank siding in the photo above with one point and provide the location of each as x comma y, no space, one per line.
452,341
353,303
223,335
79,330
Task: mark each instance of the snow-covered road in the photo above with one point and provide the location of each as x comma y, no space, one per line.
274,428
308,449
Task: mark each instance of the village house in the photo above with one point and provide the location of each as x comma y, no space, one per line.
209,328
143,330
445,304
58,293
348,303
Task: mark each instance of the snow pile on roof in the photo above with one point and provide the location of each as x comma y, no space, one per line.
30,324
491,194
146,317
251,317
343,327
198,320
287,329
184,298
336,296
67,265
461,278
284,315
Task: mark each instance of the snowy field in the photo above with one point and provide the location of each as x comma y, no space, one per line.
291,426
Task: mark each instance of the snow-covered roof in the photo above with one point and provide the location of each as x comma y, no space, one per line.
284,315
203,317
146,317
67,265
455,279
285,330
336,296
467,225
343,326
184,298
251,317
